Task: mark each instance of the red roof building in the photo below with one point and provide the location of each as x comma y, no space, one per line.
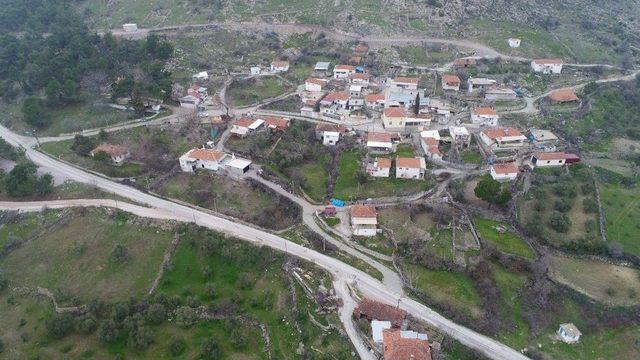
399,347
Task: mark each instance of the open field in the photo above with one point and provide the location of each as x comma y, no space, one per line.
255,90
348,188
610,284
504,241
622,208
66,119
446,287
76,258
238,198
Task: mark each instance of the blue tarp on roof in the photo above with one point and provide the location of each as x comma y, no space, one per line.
337,203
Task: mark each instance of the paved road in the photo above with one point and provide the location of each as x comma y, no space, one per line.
164,209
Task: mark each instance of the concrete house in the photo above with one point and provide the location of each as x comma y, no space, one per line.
464,63
513,42
214,160
547,66
500,94
569,333
450,82
484,116
364,220
379,142
430,148
244,126
343,71
338,98
552,159
404,82
255,70
329,134
322,68
417,122
379,167
504,172
478,84
279,66
377,327
277,123
502,138
374,100
200,77
360,79
394,118
410,168
131,27
314,84
118,153
460,135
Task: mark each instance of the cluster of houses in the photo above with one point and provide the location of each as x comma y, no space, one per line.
390,334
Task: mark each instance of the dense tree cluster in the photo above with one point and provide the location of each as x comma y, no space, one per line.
23,181
46,49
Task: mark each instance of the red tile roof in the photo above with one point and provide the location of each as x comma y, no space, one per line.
450,79
500,132
411,163
484,111
464,62
550,155
379,137
363,211
398,348
395,112
280,63
336,96
508,168
345,67
360,76
112,150
563,95
375,310
384,163
316,81
244,122
277,122
374,97
330,127
206,154
405,79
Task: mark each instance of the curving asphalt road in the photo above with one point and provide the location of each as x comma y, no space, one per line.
160,208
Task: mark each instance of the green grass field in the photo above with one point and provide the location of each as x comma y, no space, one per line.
348,188
247,92
446,287
76,258
316,178
622,208
506,242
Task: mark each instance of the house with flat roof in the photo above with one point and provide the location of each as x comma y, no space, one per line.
404,82
569,333
547,66
213,160
460,135
478,84
245,125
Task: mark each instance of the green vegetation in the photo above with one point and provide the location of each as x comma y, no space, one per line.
243,199
471,157
23,181
492,191
255,90
349,187
499,235
621,207
446,287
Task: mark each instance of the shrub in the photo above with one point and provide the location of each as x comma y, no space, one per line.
119,254
185,316
210,290
177,347
4,283
562,205
210,349
590,205
60,325
559,222
83,145
156,314
87,324
108,332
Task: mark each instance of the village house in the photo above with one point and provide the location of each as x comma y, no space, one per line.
279,66
379,167
314,84
417,122
430,140
543,139
355,90
255,70
374,100
245,125
547,66
460,136
200,77
494,94
338,98
130,27
379,142
569,333
375,310
343,71
479,84
393,118
514,42
504,172
484,116
189,102
450,82
198,91
464,63
410,168
563,96
329,134
405,345
398,98
322,68
404,83
440,107
360,79
214,160
277,123
364,220
502,138
118,153
551,159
